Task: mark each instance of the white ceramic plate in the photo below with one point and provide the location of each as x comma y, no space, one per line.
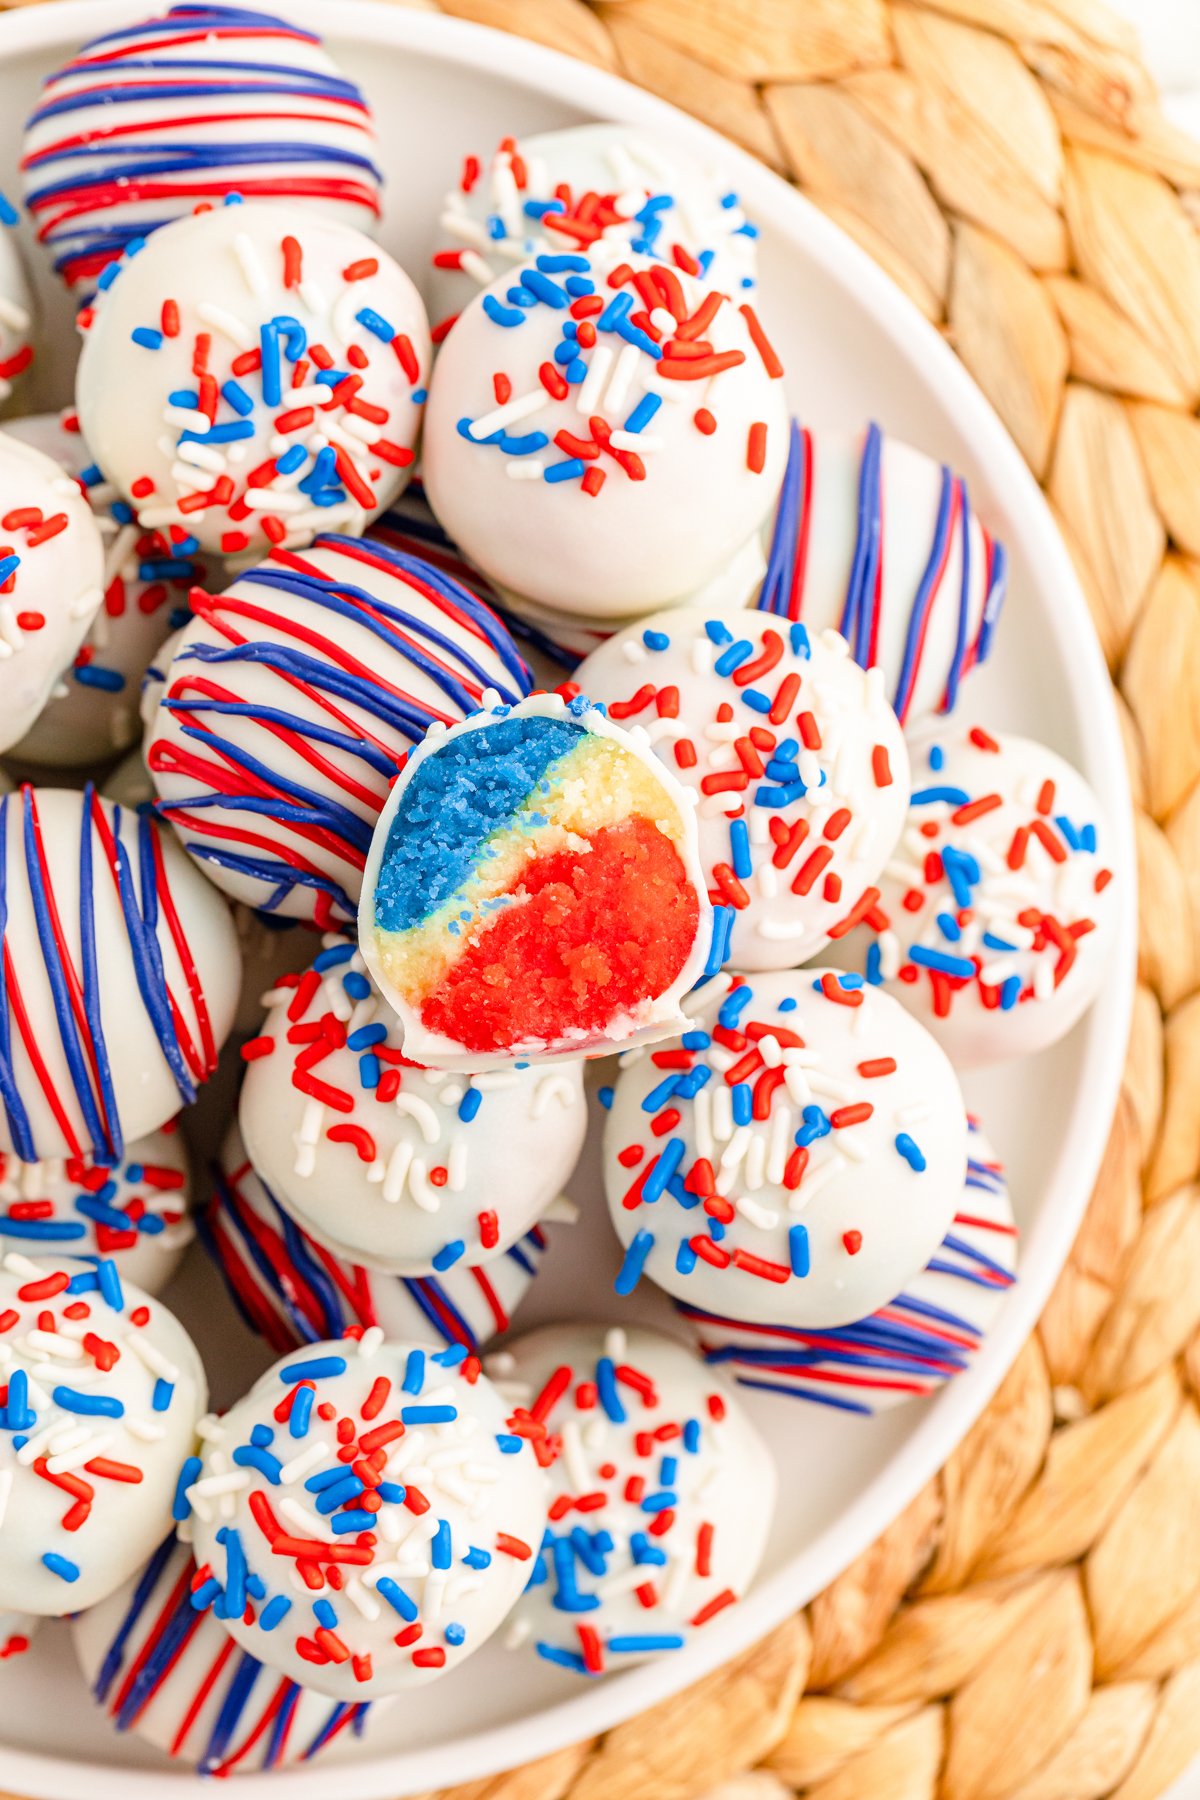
854,348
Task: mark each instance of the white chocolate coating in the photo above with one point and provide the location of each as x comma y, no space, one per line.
96,1417
441,1171
795,757
678,501
228,274
638,1415
461,1508
805,1164
16,311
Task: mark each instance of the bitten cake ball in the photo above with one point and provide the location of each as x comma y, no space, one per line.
794,1159
150,121
662,1495
51,580
16,304
253,376
533,889
176,1679
102,1392
398,1167
999,907
293,1291
291,702
929,1333
366,1515
135,1213
93,712
795,757
603,440
874,538
603,189
120,976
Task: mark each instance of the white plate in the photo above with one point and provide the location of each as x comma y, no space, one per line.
854,348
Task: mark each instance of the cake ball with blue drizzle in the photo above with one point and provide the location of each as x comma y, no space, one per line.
931,1331
604,438
533,890
366,1516
662,1489
793,1159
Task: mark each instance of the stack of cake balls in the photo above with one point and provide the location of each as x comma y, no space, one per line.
637,733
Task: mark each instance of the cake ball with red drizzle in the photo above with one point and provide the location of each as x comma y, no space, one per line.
51,580
405,1169
926,1335
596,188
604,439
176,1679
291,703
999,907
795,758
365,1518
119,980
135,1213
102,1390
662,1494
185,109
793,1159
880,542
533,890
252,376
292,1290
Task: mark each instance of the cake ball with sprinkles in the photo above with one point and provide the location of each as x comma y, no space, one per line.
51,580
176,1679
16,304
880,542
795,758
366,1517
149,121
292,702
402,1168
926,1335
605,189
135,1213
793,1159
252,375
602,439
148,575
120,976
534,890
662,1495
999,907
102,1392
292,1290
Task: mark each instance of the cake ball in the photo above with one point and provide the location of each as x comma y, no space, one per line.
135,1213
254,375
603,440
176,1679
676,1485
602,188
147,122
120,976
102,1392
998,912
794,755
93,712
813,1138
879,541
533,889
405,1169
366,1516
16,304
51,580
291,703
927,1334
293,1291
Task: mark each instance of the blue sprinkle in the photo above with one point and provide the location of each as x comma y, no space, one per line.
180,1506
325,1615
798,1249
508,316
316,1369
301,1412
743,1101
685,1258
249,1456
414,1372
397,1599
739,838
960,966
440,1550
274,1612
344,1522
164,1393
734,1005
449,1254
949,927
507,1444
605,1097
428,1415
911,1152
656,640
634,1262
105,1406
477,1559
455,1634
645,1642
734,657
109,681
235,396
149,340
469,1105
61,1566
565,1659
